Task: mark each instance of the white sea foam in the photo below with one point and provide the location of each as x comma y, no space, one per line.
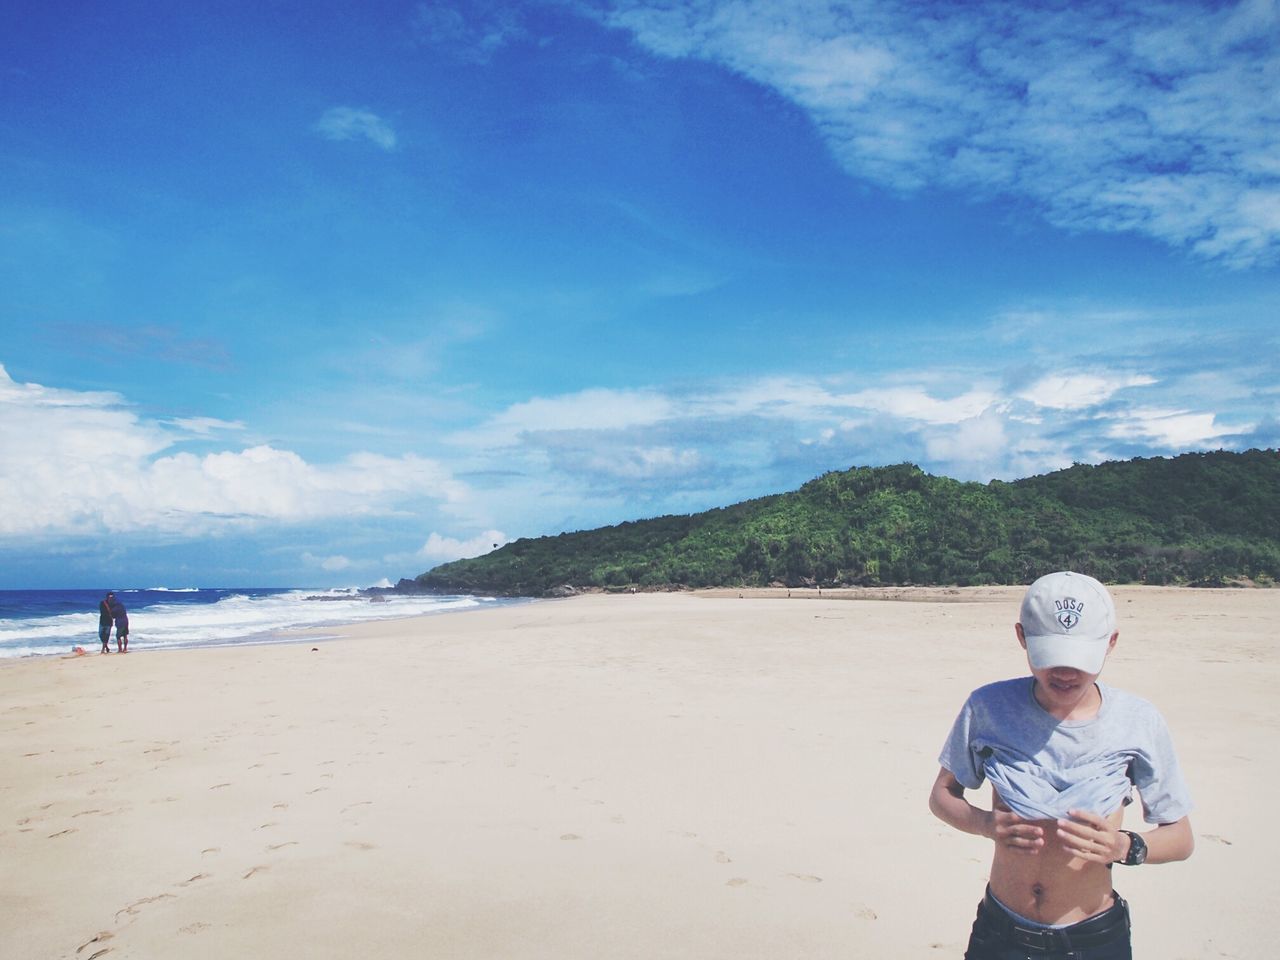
235,618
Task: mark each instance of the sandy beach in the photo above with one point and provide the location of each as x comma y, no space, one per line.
707,775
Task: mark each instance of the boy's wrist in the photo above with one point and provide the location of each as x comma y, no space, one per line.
1134,850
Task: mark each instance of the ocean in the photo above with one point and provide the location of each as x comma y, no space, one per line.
53,622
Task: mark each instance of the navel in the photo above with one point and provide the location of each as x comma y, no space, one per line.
1037,891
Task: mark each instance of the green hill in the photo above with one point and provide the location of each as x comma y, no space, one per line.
1200,517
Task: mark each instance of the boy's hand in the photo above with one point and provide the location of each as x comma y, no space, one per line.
1090,836
1010,830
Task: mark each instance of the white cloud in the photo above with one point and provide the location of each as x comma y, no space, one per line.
616,434
917,403
1078,391
440,549
1171,429
471,32
82,463
650,462
1158,118
612,458
353,123
774,397
966,447
797,398
38,396
595,409
331,564
205,426
605,444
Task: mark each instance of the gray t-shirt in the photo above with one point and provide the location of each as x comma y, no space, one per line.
1043,767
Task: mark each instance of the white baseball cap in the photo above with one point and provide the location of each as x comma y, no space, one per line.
1067,620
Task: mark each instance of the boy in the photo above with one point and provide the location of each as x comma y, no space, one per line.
1062,752
122,625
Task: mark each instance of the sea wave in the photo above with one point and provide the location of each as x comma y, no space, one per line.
232,618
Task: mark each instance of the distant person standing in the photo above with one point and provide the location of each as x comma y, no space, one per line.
105,619
121,617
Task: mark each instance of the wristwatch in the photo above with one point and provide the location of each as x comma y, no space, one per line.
1137,850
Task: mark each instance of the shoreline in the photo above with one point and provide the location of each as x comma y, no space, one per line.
677,774
910,594
236,619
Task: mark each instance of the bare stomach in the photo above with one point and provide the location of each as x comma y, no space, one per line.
1051,885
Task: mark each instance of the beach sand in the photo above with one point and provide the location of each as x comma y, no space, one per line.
699,775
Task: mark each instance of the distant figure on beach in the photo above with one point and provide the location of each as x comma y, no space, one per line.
105,619
121,617
1063,753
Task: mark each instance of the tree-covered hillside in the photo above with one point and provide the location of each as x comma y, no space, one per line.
1208,517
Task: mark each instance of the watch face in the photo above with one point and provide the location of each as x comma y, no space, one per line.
1137,850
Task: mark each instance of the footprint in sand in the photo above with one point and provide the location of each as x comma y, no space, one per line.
737,882
1216,839
280,806
866,913
210,850
62,833
253,870
806,877
219,786
360,845
191,880
277,846
195,927
101,937
570,836
132,909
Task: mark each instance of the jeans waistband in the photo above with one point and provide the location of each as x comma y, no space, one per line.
1100,929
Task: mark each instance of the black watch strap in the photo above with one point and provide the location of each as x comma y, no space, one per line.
1137,850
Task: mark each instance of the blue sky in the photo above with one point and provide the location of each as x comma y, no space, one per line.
322,293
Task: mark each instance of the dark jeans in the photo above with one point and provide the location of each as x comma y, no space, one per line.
998,936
